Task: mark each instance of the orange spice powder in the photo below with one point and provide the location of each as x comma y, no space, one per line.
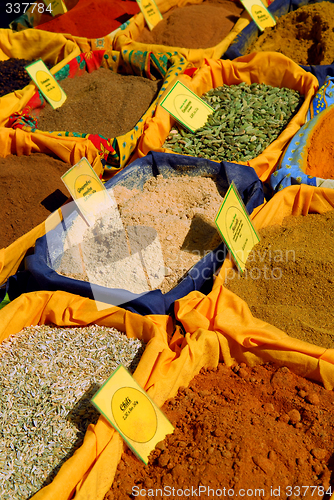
320,157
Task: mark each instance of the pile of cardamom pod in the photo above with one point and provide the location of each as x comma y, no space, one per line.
245,120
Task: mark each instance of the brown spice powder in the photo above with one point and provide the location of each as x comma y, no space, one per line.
101,102
30,189
175,215
194,26
260,429
306,35
289,278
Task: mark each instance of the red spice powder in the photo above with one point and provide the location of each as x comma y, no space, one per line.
93,18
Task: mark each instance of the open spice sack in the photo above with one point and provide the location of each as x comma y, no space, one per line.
108,102
303,32
92,18
155,244
197,29
288,282
308,159
68,358
218,329
249,120
53,48
31,190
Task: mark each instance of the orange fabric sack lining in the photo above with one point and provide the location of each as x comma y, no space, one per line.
270,68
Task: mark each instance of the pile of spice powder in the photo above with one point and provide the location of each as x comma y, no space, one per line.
102,102
288,281
30,190
13,75
168,227
194,26
245,120
306,35
92,18
48,376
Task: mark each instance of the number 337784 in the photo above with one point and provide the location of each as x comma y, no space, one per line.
20,8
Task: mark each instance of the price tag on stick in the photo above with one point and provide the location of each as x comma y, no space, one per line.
150,12
236,228
88,192
259,13
186,107
57,7
132,413
46,83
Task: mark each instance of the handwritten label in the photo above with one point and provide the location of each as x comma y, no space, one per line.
57,6
186,107
88,192
235,227
132,413
46,83
150,12
259,13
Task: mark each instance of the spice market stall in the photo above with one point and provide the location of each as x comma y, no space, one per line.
236,129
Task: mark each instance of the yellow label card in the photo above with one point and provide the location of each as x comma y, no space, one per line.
131,411
186,107
57,6
151,12
235,227
259,13
46,83
86,189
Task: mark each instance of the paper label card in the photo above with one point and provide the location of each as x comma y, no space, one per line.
88,192
150,12
259,13
235,227
132,413
46,83
186,107
57,6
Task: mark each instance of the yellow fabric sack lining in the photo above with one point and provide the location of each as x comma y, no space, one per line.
32,44
12,256
126,39
270,68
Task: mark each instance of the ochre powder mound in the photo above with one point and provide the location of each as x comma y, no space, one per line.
263,430
194,26
289,278
306,35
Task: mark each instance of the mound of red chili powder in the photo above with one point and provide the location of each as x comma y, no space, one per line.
259,432
93,18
